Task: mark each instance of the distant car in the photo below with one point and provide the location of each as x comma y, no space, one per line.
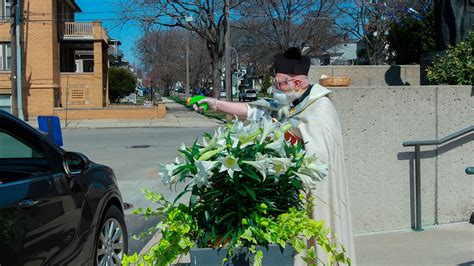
247,94
56,207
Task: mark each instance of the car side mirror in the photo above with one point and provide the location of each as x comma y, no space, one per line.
75,163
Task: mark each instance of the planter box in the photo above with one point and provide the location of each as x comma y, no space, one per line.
274,256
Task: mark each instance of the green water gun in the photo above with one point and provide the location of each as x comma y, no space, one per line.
195,99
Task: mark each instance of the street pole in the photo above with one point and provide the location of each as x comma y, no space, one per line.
228,78
236,58
18,60
14,97
151,92
187,70
189,19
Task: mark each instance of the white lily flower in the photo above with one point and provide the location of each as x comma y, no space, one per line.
237,125
244,134
308,181
252,126
209,146
278,146
280,166
229,164
182,147
220,134
203,173
261,164
268,127
312,171
312,164
166,173
204,142
284,112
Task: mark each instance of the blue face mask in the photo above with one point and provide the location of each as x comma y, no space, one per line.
280,98
285,98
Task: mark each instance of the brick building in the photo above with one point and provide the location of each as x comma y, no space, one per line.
65,63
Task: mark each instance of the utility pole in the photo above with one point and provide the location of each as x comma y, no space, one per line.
187,70
17,95
151,93
188,19
228,78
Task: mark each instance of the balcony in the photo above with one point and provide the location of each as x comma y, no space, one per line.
79,31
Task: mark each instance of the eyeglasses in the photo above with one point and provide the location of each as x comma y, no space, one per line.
279,83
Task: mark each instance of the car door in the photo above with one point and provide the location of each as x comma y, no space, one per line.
39,204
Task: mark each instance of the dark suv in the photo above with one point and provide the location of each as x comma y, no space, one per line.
56,207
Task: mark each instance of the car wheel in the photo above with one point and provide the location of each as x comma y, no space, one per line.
112,240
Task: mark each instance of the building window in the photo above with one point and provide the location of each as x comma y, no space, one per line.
5,57
5,6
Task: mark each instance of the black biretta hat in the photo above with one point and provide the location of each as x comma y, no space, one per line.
292,62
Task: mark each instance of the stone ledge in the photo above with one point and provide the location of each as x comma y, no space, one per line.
112,113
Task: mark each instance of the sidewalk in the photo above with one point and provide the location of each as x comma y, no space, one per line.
176,116
450,244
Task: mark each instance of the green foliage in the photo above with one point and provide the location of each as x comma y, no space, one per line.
266,82
180,231
245,190
122,82
409,38
220,209
456,67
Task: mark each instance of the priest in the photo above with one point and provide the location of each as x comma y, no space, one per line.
316,124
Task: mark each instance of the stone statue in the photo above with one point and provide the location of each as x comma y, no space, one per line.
453,21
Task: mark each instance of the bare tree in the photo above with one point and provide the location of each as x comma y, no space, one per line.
162,52
204,17
161,62
276,25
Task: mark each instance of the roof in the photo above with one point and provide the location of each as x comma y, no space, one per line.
345,51
115,41
73,4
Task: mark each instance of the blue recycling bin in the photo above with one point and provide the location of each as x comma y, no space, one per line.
51,125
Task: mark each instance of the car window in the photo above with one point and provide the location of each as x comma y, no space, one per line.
12,148
22,152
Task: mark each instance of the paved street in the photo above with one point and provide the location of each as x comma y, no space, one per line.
176,116
133,154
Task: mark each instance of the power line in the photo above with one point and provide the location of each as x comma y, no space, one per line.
152,18
240,15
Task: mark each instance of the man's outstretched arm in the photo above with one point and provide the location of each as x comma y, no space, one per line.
231,108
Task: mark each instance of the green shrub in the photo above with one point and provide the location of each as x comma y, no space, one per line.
122,82
456,67
409,38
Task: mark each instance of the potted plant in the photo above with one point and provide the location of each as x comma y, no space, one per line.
246,188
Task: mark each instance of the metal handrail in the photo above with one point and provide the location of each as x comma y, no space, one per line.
417,144
440,141
470,170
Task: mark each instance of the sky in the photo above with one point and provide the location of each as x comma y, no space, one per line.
106,10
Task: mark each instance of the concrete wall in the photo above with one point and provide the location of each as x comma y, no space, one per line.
383,75
376,121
